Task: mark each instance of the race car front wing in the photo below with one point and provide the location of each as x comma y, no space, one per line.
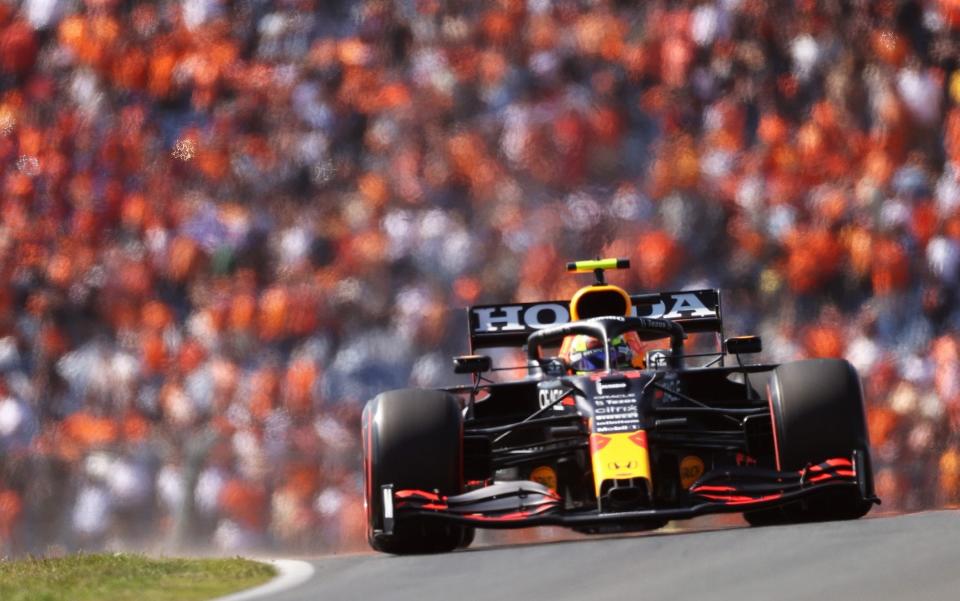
518,504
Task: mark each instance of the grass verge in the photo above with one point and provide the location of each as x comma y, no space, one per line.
125,577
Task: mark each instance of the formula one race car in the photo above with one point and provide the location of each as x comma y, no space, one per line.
613,446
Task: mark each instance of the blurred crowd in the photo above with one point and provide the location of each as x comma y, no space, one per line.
225,224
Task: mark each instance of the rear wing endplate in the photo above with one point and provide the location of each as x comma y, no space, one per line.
509,325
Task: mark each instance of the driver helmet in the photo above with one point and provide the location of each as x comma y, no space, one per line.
585,354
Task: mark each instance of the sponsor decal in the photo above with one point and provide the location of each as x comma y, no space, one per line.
691,468
615,412
682,304
657,359
606,387
528,317
516,318
618,456
549,395
545,475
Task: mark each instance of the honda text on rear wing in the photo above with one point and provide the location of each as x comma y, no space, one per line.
509,325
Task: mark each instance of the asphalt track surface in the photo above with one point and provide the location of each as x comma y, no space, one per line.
908,557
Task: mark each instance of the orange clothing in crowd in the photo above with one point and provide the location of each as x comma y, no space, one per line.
10,508
220,223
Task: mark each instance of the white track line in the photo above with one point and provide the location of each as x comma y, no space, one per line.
290,573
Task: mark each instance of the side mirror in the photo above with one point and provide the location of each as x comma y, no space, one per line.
471,364
740,345
554,367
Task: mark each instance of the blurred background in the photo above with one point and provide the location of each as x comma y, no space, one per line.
224,225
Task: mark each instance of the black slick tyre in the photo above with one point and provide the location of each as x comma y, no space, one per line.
817,412
413,439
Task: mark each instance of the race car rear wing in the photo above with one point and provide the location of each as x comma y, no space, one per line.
509,325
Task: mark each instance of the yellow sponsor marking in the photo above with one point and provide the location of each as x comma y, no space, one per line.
590,265
691,468
545,475
622,455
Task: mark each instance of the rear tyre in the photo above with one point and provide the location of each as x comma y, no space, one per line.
817,411
412,439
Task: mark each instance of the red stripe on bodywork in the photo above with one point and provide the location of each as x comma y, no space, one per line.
713,489
828,465
509,517
758,500
741,500
403,494
598,441
773,426
839,474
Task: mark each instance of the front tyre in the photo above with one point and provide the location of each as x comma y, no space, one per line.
413,439
817,411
